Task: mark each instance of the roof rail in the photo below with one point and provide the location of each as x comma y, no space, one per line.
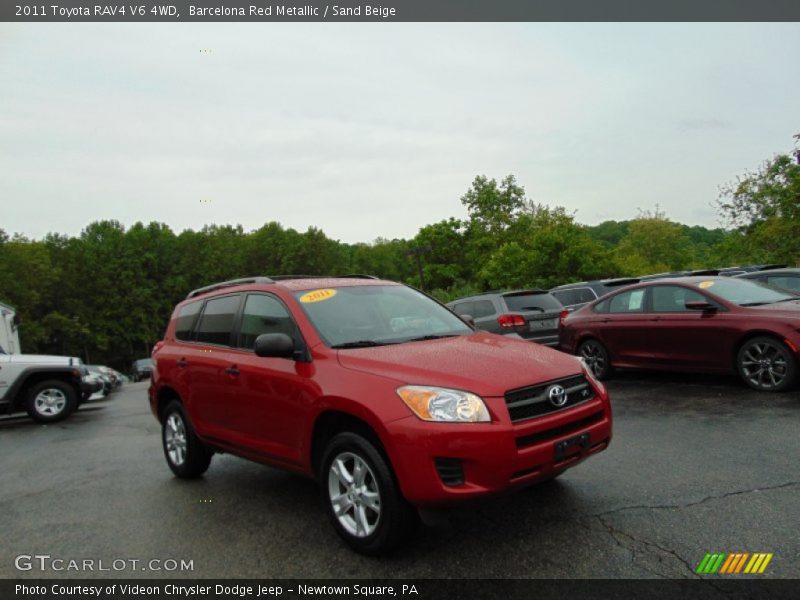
224,284
352,276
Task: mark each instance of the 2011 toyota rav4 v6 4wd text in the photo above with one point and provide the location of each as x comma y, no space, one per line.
387,398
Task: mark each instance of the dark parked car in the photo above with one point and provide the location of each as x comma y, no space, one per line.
530,314
575,295
786,279
374,389
142,369
700,324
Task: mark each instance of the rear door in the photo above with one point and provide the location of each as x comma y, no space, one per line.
204,362
617,322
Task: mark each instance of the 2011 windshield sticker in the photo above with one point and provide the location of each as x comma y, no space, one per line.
317,296
705,284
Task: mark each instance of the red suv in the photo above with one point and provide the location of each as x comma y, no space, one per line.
387,398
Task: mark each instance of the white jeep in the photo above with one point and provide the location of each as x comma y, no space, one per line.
49,388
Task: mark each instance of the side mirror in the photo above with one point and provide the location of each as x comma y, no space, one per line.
701,305
468,320
276,345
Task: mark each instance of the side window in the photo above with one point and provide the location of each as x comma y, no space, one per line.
566,297
482,308
187,315
627,302
463,308
263,314
216,322
672,298
787,282
584,295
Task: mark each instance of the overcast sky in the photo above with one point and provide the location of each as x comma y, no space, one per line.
368,130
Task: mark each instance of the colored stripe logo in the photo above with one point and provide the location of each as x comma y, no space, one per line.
734,563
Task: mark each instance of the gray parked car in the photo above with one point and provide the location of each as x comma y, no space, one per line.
530,314
785,279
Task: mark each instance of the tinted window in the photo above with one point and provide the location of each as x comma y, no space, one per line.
216,323
788,282
263,314
627,302
187,315
574,296
672,298
463,308
482,308
525,302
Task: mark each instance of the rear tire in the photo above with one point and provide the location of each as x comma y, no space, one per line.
766,365
186,455
362,498
596,357
51,401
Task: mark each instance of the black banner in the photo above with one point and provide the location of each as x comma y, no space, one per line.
389,589
260,11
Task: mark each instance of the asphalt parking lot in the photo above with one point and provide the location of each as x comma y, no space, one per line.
698,464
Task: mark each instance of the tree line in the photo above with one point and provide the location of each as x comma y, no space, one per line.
106,295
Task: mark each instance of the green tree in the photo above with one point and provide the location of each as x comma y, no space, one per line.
653,244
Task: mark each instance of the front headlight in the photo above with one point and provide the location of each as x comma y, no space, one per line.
444,405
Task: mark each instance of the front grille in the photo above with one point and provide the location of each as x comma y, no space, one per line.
450,470
529,402
535,438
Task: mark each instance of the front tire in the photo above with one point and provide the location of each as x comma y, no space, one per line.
186,455
51,401
596,357
361,496
766,365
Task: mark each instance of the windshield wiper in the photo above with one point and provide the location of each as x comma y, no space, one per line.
361,344
787,300
431,337
754,303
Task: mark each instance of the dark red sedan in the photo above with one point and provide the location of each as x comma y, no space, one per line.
691,324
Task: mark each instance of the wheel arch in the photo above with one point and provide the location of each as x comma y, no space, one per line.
30,377
335,419
746,337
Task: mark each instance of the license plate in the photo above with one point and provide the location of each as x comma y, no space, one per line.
572,446
542,324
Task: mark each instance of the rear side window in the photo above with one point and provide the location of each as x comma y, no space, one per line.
787,282
463,308
216,322
525,302
574,296
482,308
627,302
263,314
187,315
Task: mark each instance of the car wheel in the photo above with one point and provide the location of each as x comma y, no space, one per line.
186,455
51,401
766,365
361,496
596,357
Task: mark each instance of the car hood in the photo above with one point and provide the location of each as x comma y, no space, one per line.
483,363
39,359
789,309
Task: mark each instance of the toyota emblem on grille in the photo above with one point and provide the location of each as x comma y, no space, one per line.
557,395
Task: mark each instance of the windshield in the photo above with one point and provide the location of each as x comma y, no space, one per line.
744,292
376,315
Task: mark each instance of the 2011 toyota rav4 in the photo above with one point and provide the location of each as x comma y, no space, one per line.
387,398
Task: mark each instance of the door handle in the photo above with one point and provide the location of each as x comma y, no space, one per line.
182,363
234,370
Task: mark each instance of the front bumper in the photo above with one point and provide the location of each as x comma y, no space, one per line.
91,386
493,457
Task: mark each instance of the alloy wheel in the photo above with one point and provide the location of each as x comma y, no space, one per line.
354,494
763,365
50,402
175,439
595,357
